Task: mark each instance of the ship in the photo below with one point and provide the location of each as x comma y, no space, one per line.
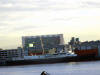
43,59
86,54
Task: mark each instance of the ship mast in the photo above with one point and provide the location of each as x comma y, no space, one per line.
42,44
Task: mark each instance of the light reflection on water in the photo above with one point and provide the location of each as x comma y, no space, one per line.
71,68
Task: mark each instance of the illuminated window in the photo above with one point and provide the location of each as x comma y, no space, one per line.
31,45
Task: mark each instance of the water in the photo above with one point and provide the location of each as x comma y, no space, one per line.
71,68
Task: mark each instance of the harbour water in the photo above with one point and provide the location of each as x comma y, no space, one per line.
71,68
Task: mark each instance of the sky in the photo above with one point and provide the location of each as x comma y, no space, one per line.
73,18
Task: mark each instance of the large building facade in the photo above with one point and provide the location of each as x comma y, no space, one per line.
36,44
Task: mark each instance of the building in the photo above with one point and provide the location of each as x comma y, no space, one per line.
41,44
73,43
9,54
20,52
